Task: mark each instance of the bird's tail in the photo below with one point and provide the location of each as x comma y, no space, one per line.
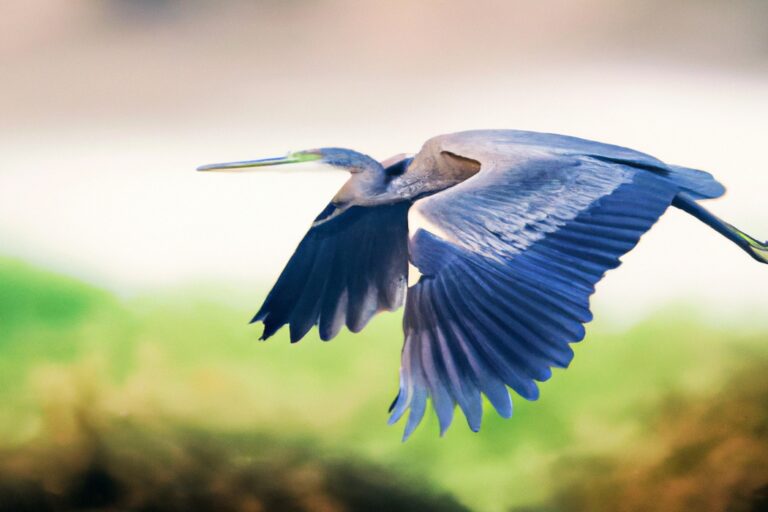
758,250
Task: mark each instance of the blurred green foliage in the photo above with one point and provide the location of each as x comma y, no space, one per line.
31,297
77,364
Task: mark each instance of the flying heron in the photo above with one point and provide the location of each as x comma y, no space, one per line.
518,228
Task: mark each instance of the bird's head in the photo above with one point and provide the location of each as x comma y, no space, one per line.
340,158
366,186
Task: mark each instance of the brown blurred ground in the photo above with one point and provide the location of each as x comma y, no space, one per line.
116,465
704,455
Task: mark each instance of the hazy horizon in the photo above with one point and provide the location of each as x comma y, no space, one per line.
109,107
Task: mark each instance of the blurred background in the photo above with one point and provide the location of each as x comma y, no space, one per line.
129,378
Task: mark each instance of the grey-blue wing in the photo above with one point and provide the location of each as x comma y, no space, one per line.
497,146
349,266
508,264
352,264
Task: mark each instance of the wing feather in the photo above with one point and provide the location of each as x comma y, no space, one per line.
348,267
505,288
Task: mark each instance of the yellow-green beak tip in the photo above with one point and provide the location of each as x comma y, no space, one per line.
290,158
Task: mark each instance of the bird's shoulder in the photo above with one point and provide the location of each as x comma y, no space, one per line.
507,147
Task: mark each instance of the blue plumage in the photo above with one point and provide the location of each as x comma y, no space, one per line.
344,271
513,319
520,226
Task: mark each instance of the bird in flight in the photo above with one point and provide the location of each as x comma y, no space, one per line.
516,229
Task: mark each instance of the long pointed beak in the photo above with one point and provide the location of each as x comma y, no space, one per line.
290,158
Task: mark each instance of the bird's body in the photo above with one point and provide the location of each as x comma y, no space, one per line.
519,227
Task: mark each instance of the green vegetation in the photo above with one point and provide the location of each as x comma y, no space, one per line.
93,383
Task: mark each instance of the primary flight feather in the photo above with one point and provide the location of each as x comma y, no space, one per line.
520,226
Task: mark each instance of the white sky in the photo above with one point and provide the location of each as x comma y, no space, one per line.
107,107
119,203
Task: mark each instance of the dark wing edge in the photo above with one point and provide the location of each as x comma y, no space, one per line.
349,266
475,325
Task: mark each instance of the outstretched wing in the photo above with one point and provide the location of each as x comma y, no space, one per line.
508,264
349,266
